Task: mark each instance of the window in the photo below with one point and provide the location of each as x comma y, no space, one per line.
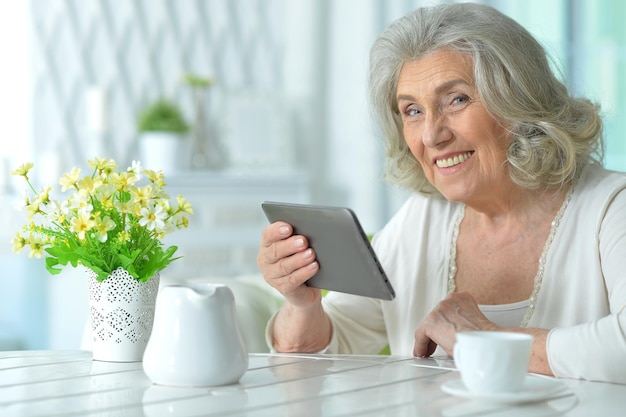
588,39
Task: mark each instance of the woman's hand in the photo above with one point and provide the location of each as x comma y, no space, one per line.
459,312
287,262
456,313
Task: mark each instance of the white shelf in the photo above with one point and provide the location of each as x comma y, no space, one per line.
224,232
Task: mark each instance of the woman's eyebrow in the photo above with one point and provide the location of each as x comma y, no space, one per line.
449,84
438,90
405,97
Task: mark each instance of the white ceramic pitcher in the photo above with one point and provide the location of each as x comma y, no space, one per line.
195,340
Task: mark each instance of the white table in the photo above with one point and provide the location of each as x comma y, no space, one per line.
67,383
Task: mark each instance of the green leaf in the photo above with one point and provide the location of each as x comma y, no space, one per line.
50,265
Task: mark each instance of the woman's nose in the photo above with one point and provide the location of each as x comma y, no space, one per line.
435,131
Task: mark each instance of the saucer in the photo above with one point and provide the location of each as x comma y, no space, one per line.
535,388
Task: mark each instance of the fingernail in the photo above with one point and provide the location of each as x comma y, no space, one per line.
307,253
299,243
283,230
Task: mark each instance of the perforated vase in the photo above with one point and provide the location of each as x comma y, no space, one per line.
121,312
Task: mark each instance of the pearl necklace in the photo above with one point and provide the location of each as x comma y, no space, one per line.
542,259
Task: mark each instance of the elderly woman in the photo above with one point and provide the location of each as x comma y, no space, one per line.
514,225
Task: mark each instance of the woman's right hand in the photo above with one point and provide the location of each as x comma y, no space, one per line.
287,262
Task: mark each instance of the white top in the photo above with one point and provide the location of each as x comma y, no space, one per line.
582,296
506,315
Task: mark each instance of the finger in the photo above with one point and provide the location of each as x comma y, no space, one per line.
279,250
300,260
277,242
292,282
427,334
275,232
292,286
422,343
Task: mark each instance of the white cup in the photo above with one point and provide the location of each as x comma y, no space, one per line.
492,362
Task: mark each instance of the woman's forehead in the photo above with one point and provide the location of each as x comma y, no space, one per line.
434,71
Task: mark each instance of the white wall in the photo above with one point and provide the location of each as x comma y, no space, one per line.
23,289
15,86
355,152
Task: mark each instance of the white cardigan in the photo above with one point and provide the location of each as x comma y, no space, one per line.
582,296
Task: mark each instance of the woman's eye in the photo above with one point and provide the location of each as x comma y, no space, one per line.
412,111
461,99
456,103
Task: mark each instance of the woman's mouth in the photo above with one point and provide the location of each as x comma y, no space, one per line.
452,161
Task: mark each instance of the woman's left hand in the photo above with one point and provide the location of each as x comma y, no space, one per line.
457,312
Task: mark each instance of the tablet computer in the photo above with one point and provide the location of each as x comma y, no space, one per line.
347,262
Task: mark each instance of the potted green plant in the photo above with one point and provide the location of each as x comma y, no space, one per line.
162,128
112,223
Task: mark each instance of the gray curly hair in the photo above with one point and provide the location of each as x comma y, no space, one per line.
554,135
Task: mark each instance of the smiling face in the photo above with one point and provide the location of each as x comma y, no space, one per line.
460,146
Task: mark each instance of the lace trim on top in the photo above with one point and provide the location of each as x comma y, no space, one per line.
542,259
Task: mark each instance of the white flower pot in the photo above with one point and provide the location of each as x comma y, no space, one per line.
121,312
163,151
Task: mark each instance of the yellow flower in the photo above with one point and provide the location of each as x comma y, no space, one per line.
106,191
23,170
178,221
129,207
18,242
103,165
184,205
89,185
155,177
31,227
44,195
82,223
68,180
102,226
106,203
36,249
32,209
142,195
123,236
167,207
35,206
123,180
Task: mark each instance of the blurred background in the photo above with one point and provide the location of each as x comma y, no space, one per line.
282,115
